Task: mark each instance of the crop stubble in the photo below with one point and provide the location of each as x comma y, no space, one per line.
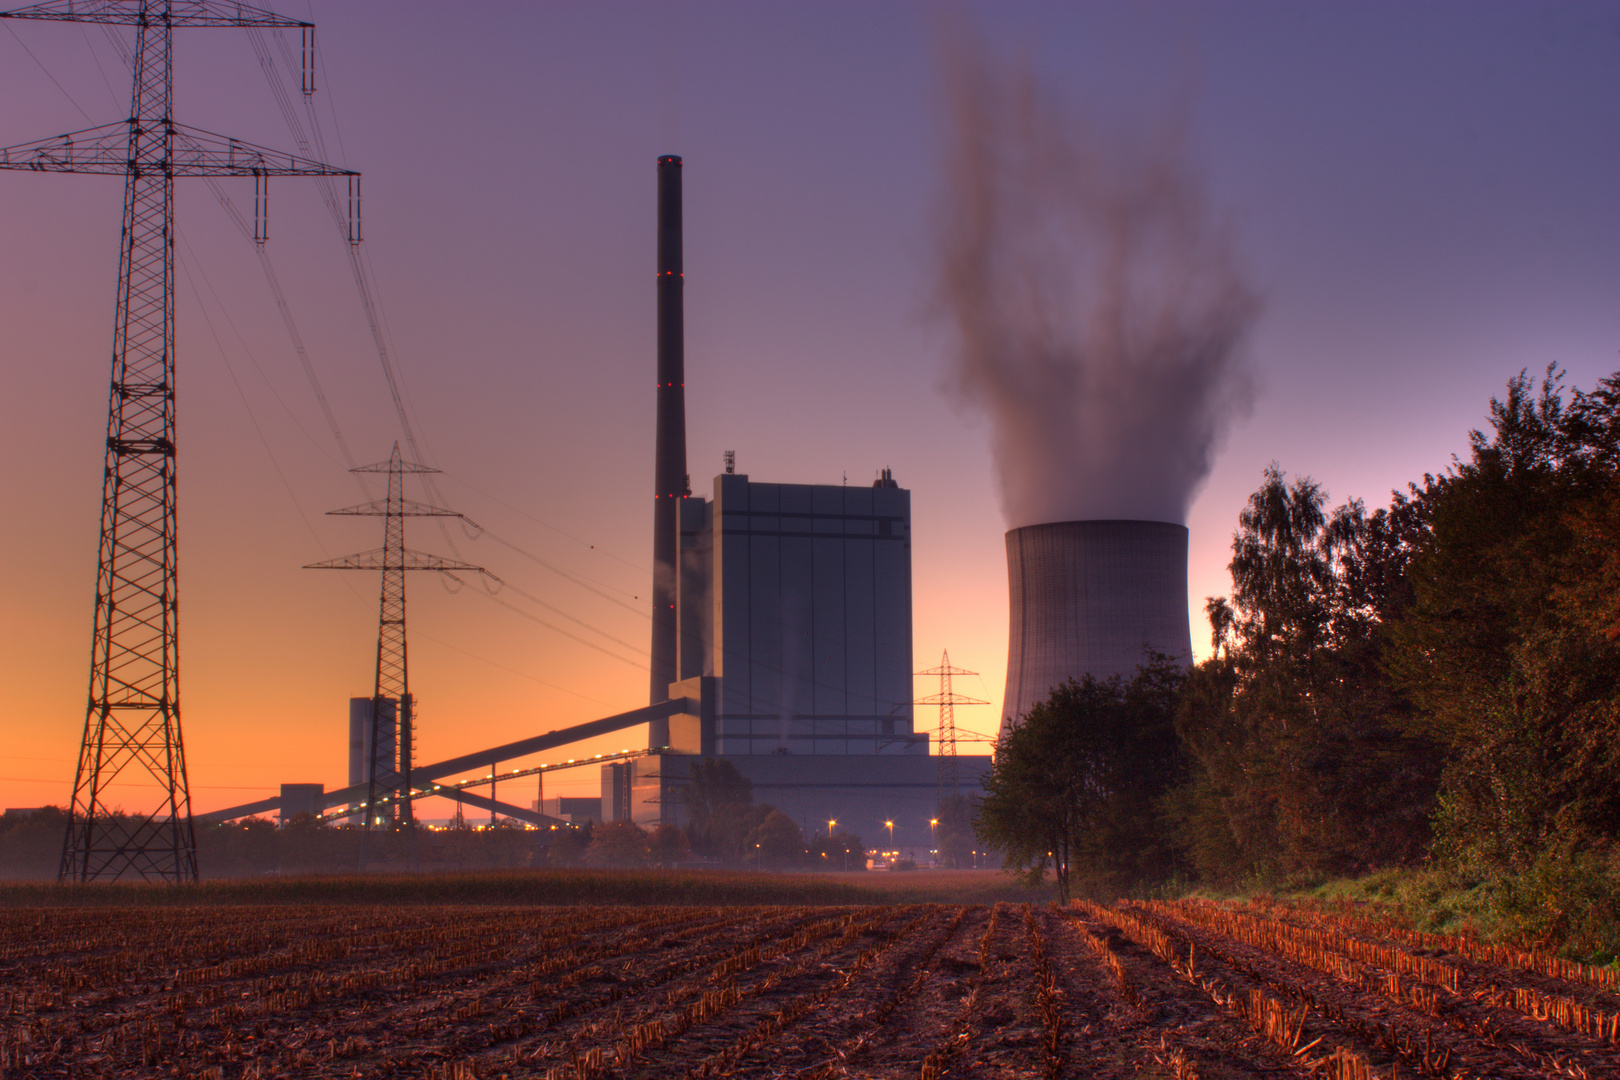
1175,989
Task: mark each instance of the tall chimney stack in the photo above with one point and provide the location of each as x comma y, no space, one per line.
669,472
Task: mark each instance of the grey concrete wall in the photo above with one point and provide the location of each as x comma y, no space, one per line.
360,745
811,624
1089,597
696,603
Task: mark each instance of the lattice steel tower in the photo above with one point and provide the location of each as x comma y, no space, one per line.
133,721
393,680
947,702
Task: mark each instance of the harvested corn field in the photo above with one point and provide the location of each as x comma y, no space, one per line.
1184,989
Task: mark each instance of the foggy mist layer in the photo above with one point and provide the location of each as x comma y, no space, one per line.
1098,311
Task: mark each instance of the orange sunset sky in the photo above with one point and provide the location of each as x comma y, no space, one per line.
1422,198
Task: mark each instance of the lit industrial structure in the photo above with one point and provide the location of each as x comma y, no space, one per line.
785,609
1091,598
781,642
950,780
794,605
379,716
797,597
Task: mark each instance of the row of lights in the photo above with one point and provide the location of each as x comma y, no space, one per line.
470,783
932,824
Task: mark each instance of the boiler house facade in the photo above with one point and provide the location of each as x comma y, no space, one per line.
797,599
794,614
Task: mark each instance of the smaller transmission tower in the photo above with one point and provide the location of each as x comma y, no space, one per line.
392,685
947,702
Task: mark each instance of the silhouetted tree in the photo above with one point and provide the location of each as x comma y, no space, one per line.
775,842
1302,760
1509,650
31,843
717,798
1075,784
568,846
620,844
668,845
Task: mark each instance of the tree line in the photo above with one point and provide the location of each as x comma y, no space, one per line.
1436,681
723,826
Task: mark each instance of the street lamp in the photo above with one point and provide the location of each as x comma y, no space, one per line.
890,826
933,844
830,825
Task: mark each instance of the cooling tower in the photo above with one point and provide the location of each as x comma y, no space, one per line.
1088,597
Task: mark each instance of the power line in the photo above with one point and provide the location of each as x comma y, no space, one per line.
515,671
302,137
639,567
583,582
133,717
191,280
285,310
48,75
364,272
565,633
111,93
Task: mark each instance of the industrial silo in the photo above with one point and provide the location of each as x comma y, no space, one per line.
1089,597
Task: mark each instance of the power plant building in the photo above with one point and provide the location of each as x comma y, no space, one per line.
784,611
781,642
797,599
388,757
1091,598
794,606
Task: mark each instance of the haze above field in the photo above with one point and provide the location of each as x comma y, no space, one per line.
1422,200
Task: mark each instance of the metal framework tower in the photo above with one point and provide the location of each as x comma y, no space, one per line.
132,726
947,702
393,681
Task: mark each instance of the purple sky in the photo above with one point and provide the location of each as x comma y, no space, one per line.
1423,197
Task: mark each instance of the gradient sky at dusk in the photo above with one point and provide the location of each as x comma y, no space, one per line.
1423,197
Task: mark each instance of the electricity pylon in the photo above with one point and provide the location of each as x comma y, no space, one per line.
947,702
393,681
133,720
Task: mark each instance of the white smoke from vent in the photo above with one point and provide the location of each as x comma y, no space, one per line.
1097,307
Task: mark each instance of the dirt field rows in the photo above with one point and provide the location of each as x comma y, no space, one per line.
1011,990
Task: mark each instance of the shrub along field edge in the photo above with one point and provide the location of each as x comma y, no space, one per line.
1556,913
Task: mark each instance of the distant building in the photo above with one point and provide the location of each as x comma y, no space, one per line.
360,758
781,613
797,598
302,799
567,808
794,612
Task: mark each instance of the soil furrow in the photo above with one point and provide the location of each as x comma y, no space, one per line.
1444,1035
1154,990
1156,1019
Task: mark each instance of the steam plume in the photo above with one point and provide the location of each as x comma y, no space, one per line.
1095,299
